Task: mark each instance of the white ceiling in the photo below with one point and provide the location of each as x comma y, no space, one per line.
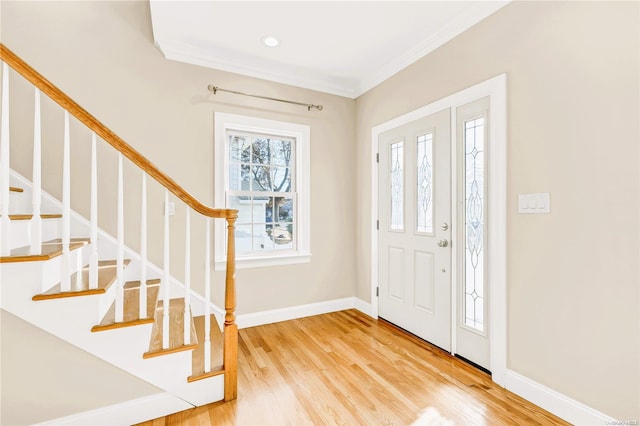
339,47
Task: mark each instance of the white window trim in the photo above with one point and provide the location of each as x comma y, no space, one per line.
302,133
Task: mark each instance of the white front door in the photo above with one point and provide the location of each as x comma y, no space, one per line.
439,259
414,255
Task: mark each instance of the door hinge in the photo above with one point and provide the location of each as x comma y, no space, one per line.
377,157
377,225
377,291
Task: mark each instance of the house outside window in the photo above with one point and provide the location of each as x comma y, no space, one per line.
262,170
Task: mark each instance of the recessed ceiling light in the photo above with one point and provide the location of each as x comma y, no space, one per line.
270,41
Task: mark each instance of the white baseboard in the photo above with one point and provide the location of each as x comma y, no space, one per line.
284,314
125,413
559,404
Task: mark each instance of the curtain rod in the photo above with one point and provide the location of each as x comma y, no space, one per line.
214,89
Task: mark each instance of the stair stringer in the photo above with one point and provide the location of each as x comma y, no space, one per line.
71,318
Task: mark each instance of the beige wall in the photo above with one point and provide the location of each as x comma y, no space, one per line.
572,131
102,55
44,377
573,120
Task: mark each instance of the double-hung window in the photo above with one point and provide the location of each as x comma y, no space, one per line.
262,170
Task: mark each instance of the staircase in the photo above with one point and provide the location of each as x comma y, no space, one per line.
65,274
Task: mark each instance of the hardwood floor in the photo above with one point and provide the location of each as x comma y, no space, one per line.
345,368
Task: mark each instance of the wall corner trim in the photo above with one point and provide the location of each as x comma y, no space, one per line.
559,404
128,412
364,307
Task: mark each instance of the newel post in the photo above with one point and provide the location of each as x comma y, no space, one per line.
230,326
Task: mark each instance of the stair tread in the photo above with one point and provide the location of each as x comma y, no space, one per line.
15,189
29,216
80,283
176,330
197,357
131,312
49,250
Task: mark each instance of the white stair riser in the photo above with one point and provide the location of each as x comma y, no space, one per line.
21,231
107,300
17,204
66,316
45,274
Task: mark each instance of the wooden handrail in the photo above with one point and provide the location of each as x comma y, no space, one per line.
230,355
108,136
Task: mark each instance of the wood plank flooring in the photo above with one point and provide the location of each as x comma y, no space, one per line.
345,368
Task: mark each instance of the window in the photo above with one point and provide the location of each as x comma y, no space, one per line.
262,170
397,186
424,183
474,215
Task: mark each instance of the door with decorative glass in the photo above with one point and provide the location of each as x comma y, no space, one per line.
414,254
472,332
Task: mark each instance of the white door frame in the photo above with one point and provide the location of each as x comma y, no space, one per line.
496,89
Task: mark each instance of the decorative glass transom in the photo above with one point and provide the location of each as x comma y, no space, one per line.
424,182
474,222
397,186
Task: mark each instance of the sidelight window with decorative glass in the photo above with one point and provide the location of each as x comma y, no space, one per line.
474,150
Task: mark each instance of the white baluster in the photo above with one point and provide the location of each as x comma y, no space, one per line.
143,250
5,228
93,257
207,297
78,267
187,278
36,219
120,254
166,276
65,272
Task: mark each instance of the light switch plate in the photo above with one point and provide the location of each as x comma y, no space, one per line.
538,203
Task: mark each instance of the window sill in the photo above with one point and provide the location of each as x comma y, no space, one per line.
265,261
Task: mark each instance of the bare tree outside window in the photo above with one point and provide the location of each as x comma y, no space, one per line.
261,179
262,170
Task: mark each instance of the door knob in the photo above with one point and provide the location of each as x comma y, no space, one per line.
443,243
